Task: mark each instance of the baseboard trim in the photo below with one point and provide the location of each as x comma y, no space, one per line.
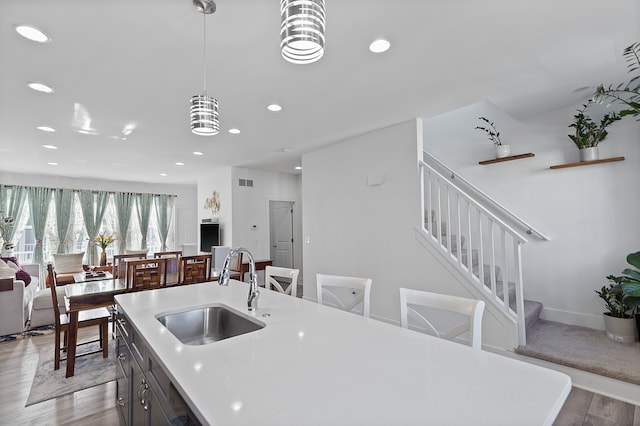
573,318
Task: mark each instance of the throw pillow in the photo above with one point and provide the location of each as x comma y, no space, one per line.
11,259
6,271
68,263
140,252
21,274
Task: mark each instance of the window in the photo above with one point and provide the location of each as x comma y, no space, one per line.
78,239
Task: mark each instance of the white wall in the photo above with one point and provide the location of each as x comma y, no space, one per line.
218,179
359,230
185,194
589,212
251,207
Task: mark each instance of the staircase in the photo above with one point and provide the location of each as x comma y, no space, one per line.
478,243
478,239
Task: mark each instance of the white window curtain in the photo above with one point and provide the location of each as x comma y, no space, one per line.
144,202
124,206
164,210
93,204
39,200
12,198
63,199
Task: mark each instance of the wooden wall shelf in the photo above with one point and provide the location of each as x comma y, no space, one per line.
500,160
586,163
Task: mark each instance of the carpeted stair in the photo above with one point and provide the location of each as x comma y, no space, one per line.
585,349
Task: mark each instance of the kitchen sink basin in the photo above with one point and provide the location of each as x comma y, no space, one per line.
202,325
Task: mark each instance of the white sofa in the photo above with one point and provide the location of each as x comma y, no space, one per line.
15,304
42,311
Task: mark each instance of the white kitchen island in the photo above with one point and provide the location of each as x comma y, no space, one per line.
315,365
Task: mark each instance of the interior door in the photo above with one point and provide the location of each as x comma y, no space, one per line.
281,233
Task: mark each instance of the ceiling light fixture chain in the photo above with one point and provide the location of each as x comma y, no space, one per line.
204,108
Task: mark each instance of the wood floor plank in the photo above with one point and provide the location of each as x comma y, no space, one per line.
575,408
18,361
612,410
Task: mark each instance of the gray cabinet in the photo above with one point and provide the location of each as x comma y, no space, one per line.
144,392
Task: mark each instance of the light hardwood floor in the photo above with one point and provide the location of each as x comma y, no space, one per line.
586,408
96,405
18,362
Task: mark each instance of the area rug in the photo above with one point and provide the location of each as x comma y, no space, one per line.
39,331
90,370
583,348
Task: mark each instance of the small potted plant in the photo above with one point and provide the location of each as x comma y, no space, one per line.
618,323
630,283
494,136
588,134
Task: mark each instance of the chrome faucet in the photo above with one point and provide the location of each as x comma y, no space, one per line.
252,299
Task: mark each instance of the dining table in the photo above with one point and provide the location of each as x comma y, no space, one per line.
87,295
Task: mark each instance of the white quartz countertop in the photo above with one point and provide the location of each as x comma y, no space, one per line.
316,365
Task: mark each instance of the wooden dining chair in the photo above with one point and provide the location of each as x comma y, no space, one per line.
235,267
195,269
173,262
276,278
119,268
471,309
345,293
146,274
86,318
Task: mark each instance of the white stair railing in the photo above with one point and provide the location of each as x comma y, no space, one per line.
483,248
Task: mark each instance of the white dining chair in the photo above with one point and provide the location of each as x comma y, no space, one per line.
474,309
271,273
358,291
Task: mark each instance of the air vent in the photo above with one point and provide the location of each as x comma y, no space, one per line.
245,182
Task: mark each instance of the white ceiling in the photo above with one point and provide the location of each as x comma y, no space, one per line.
139,61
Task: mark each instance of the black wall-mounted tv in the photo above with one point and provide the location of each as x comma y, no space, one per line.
209,236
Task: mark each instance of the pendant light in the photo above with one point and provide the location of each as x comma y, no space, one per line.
302,30
204,108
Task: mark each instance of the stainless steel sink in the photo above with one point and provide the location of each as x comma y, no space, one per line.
208,324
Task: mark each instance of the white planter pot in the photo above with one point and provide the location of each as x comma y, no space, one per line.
620,329
589,154
503,151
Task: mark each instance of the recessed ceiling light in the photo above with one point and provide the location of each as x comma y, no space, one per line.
298,167
285,149
163,174
46,128
40,87
380,45
198,153
50,146
52,164
234,131
274,107
32,33
179,164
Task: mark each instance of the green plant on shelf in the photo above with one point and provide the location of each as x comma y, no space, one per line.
588,133
490,129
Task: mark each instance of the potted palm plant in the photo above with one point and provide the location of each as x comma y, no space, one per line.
627,95
629,281
494,136
588,133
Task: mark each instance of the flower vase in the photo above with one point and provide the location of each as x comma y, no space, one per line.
103,258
